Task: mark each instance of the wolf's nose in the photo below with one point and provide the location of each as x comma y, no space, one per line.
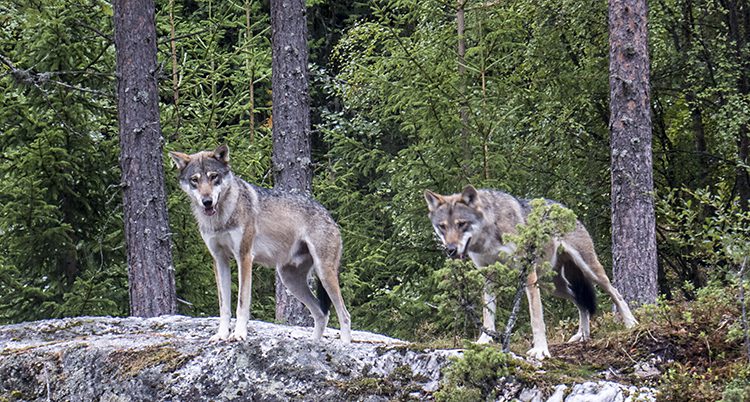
451,250
207,202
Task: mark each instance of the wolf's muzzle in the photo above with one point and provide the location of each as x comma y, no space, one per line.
452,250
208,206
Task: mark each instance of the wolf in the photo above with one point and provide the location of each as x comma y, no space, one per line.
251,224
474,222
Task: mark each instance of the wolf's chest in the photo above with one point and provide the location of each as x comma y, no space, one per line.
226,241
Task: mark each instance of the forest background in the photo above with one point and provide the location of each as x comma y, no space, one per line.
393,114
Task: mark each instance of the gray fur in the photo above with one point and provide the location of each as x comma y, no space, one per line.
241,221
474,223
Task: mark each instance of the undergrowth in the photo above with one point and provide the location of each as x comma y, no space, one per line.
687,350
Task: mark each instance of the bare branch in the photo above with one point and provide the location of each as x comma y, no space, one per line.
38,80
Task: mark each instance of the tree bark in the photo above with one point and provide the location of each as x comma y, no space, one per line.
250,70
150,269
291,123
633,219
737,15
463,102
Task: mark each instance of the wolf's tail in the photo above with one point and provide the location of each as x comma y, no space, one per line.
323,298
584,295
580,288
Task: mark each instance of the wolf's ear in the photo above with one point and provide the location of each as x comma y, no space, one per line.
433,200
470,196
180,160
222,153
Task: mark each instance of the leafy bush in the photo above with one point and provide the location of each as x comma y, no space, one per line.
478,375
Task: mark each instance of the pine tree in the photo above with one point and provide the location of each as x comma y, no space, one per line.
147,235
292,163
633,218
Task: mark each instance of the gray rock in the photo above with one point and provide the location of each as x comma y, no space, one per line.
559,394
607,391
170,359
530,395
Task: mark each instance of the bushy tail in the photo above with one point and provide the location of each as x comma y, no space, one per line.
582,290
584,295
323,298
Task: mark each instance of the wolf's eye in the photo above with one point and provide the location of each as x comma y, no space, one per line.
442,227
193,182
213,176
462,225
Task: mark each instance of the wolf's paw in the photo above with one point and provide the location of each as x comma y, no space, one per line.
579,337
538,353
222,335
346,337
484,339
238,335
630,322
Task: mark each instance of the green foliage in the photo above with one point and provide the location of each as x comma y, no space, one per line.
400,132
706,234
477,375
738,389
387,99
397,386
218,55
59,212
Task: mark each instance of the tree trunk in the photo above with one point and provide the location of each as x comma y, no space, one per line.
463,101
291,123
633,219
150,269
250,70
738,21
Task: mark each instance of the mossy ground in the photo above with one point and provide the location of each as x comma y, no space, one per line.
401,385
695,347
131,362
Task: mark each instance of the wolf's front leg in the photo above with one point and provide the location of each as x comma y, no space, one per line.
538,329
489,306
224,290
244,296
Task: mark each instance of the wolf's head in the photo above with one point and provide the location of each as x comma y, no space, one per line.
456,218
203,176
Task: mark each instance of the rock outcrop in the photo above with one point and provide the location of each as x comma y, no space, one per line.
170,359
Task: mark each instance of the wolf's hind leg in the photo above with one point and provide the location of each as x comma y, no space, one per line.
584,331
294,278
330,281
592,269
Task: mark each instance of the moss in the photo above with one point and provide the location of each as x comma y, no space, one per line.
557,371
14,395
481,374
399,385
129,363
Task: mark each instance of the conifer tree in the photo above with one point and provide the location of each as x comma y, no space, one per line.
633,218
292,164
147,235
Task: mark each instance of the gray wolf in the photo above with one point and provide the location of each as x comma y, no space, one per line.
472,223
290,232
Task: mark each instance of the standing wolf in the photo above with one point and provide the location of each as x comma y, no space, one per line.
251,224
474,222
